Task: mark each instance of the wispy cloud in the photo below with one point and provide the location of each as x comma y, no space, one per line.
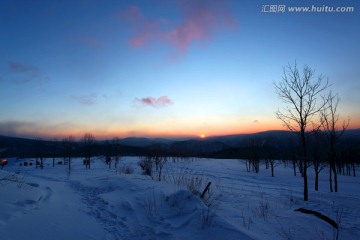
199,21
17,128
21,68
162,101
23,73
34,129
87,99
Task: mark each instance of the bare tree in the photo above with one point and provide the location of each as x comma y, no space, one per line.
329,119
40,153
116,143
270,144
299,91
108,152
68,143
54,151
318,150
253,156
88,141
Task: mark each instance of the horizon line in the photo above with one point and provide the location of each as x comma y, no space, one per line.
170,137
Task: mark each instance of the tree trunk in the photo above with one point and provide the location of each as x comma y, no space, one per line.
306,193
294,166
353,166
330,178
335,180
316,179
304,160
301,168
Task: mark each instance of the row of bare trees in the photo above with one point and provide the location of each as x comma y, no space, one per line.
68,150
304,98
69,147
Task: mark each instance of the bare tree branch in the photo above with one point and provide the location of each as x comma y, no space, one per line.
299,91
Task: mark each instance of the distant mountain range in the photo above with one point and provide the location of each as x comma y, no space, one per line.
280,143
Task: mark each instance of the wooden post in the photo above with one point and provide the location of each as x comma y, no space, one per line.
205,190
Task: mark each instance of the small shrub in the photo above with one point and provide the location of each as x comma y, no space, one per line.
263,210
193,184
146,165
207,217
127,169
286,234
20,180
247,221
212,202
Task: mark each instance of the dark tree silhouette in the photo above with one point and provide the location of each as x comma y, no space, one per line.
116,144
108,152
270,144
299,91
253,155
68,143
54,151
40,153
318,150
88,140
329,119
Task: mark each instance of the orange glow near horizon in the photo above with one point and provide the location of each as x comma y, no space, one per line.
187,131
155,131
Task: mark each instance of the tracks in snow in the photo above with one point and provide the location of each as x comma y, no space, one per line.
101,210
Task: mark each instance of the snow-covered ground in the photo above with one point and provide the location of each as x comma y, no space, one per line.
104,203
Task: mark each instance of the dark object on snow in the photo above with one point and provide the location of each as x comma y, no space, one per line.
25,164
3,162
319,215
59,162
205,190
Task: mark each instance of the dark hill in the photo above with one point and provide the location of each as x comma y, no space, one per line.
279,143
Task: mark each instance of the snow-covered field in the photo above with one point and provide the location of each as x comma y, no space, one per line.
104,203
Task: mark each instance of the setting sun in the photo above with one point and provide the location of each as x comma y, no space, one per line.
202,135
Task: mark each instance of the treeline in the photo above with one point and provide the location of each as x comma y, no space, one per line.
258,146
29,148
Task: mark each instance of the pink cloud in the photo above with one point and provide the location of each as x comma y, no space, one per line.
162,101
145,30
199,21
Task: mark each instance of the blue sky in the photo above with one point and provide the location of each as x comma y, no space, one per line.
165,67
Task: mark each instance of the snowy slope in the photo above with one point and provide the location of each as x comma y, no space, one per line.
104,203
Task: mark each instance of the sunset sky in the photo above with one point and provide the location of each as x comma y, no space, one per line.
165,68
